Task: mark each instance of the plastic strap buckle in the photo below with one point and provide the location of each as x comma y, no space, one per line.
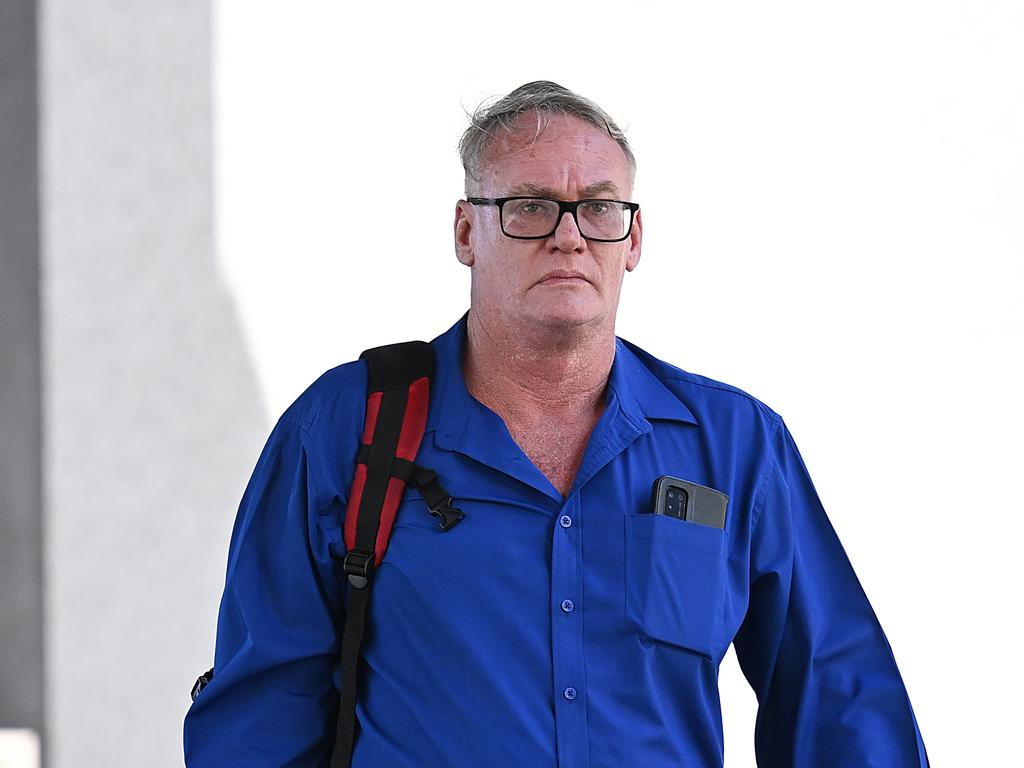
436,497
201,682
446,513
358,565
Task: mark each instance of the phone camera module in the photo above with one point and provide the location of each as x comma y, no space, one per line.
675,502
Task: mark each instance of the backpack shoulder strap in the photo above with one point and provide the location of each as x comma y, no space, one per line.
398,394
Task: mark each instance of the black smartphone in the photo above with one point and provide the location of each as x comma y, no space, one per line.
688,501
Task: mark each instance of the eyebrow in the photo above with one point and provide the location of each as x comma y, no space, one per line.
528,188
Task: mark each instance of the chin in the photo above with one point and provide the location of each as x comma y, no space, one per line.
567,316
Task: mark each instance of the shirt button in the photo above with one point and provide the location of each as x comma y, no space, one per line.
566,521
569,693
567,606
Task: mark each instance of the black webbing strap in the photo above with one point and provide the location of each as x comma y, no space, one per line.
437,498
391,369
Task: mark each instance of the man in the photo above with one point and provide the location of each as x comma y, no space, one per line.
561,622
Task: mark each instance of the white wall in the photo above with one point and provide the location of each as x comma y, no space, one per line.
152,412
835,189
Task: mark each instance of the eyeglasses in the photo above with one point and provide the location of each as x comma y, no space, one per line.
536,218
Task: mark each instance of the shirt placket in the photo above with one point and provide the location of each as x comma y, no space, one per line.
567,637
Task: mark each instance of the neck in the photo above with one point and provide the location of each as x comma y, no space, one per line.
533,373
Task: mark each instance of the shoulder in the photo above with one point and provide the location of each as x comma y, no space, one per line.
327,420
714,404
333,399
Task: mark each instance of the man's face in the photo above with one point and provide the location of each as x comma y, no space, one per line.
570,160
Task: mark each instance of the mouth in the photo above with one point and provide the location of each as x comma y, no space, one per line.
560,277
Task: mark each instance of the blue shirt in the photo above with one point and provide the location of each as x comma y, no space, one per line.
579,632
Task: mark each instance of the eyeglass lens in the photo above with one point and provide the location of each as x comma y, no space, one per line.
601,219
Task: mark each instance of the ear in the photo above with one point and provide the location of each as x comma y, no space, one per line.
636,237
464,214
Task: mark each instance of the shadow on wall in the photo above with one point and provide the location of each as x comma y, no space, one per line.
21,672
152,412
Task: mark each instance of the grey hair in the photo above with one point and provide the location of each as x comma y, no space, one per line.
546,100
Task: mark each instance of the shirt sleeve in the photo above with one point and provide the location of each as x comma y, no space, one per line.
273,698
827,686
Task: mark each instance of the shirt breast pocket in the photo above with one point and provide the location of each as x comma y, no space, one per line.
675,581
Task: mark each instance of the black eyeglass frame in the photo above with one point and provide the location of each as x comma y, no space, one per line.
563,208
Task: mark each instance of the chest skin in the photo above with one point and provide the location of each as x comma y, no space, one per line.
555,447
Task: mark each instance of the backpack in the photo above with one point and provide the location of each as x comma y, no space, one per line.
398,394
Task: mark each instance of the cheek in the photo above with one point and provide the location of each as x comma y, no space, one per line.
612,269
498,270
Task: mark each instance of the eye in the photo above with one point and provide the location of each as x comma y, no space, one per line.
596,208
532,208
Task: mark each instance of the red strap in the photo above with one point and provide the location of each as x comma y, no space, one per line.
414,422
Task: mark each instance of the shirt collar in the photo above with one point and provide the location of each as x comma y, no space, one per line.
641,394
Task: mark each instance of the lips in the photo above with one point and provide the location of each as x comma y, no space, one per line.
563,274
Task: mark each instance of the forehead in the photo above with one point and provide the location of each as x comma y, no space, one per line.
567,156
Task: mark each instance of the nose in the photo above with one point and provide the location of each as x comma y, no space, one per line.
567,235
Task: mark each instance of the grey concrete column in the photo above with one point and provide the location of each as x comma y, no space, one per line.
152,417
21,611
